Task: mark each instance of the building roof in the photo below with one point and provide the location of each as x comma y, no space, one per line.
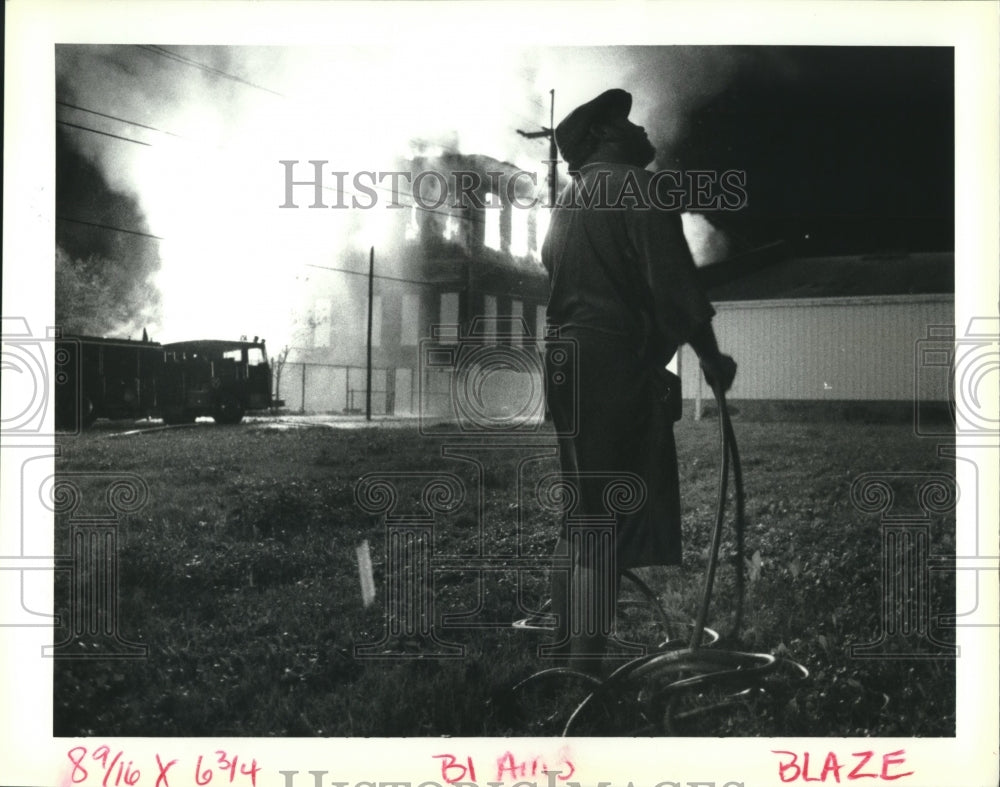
831,277
210,346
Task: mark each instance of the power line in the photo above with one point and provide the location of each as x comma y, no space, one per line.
473,216
461,216
226,75
179,136
377,275
308,265
506,293
115,117
165,53
109,227
104,133
208,69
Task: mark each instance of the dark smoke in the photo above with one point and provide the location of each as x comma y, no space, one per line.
103,275
846,150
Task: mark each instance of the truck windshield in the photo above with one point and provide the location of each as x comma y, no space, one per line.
254,355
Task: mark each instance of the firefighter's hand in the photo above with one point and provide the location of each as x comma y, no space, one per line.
720,369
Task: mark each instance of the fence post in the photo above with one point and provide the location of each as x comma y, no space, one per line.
697,396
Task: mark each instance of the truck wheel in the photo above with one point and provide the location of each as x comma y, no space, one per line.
228,409
173,416
76,416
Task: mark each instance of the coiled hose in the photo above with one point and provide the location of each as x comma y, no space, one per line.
643,694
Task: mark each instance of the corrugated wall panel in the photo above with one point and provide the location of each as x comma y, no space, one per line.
836,349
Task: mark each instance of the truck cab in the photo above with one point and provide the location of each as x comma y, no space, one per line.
215,377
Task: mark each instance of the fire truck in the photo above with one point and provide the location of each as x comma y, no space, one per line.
178,382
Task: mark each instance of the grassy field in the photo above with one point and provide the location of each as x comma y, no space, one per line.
240,575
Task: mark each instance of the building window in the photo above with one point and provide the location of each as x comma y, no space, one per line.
410,319
519,231
492,218
542,217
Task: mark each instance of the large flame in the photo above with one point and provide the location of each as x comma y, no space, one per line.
218,120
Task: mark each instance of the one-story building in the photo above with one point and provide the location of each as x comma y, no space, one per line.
835,336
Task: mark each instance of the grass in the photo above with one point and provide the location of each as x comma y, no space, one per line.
240,576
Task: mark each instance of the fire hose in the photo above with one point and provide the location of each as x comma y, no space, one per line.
649,690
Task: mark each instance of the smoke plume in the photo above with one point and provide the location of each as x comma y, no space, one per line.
216,122
103,265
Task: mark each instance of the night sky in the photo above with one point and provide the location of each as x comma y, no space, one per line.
846,149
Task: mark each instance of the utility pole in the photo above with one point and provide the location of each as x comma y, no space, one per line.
371,303
550,134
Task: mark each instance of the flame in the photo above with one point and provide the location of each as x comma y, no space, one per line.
233,262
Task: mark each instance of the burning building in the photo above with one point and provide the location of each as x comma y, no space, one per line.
459,246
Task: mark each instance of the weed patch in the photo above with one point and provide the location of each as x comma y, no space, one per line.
240,576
